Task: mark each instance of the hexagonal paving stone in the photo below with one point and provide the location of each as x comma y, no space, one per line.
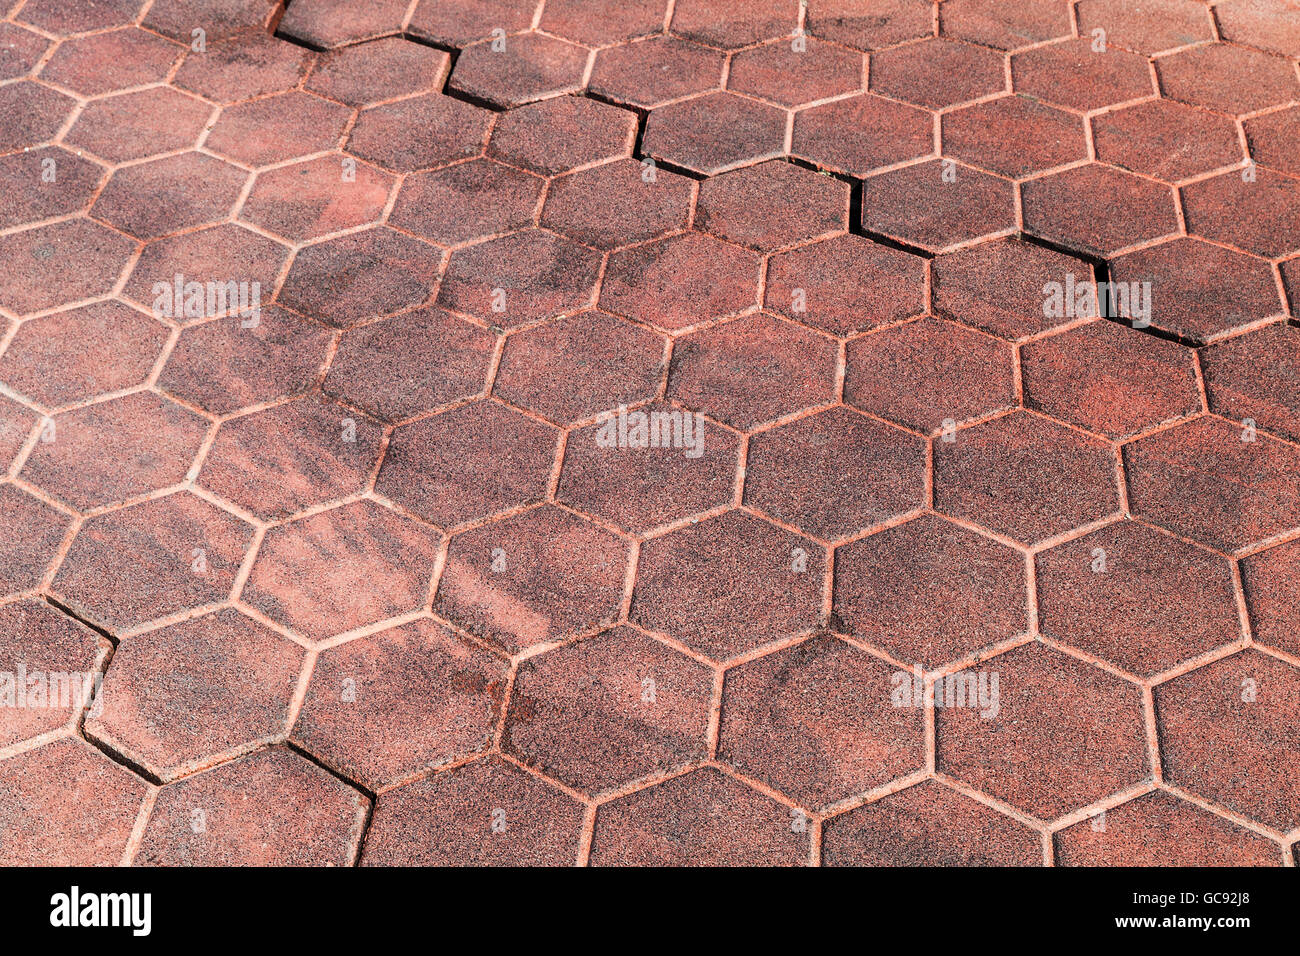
1014,136
87,257
313,198
115,450
59,359
31,114
211,257
1216,482
1201,291
446,819
930,592
773,205
681,281
56,16
457,22
30,534
42,640
138,125
652,72
379,368
28,196
1065,734
1155,27
560,134
846,284
1271,580
609,710
1208,76
187,694
1260,23
792,74
937,73
150,560
600,22
1005,27
1229,733
862,133
816,723
278,128
419,132
532,579
929,375
1139,598
1166,140
573,368
640,488
287,458
272,808
66,804
731,24
434,468
870,24
835,473
1255,376
226,365
618,203
107,62
334,23
1109,379
342,569
1025,477
729,584
729,824
218,19
361,276
467,201
247,66
20,50
160,197
755,369
1270,139
410,697
1158,829
929,824
16,425
1097,210
998,286
369,73
938,205
1262,217
520,278
531,67
1075,75
715,132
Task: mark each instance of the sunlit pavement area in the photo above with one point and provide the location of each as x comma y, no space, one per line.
647,432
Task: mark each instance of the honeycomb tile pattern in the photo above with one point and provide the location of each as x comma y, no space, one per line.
562,432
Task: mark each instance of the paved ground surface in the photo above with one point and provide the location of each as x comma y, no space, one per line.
372,575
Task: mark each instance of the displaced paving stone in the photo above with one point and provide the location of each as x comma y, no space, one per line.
862,133
531,67
1134,596
446,820
798,205
369,73
469,201
342,569
41,640
618,203
558,135
188,693
930,592
273,808
652,72
560,576
929,824
434,467
609,710
1159,829
152,559
1064,735
410,697
728,585
730,825
715,132
1228,732
938,205
1097,210
794,74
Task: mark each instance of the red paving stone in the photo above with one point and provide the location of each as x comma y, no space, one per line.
474,262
